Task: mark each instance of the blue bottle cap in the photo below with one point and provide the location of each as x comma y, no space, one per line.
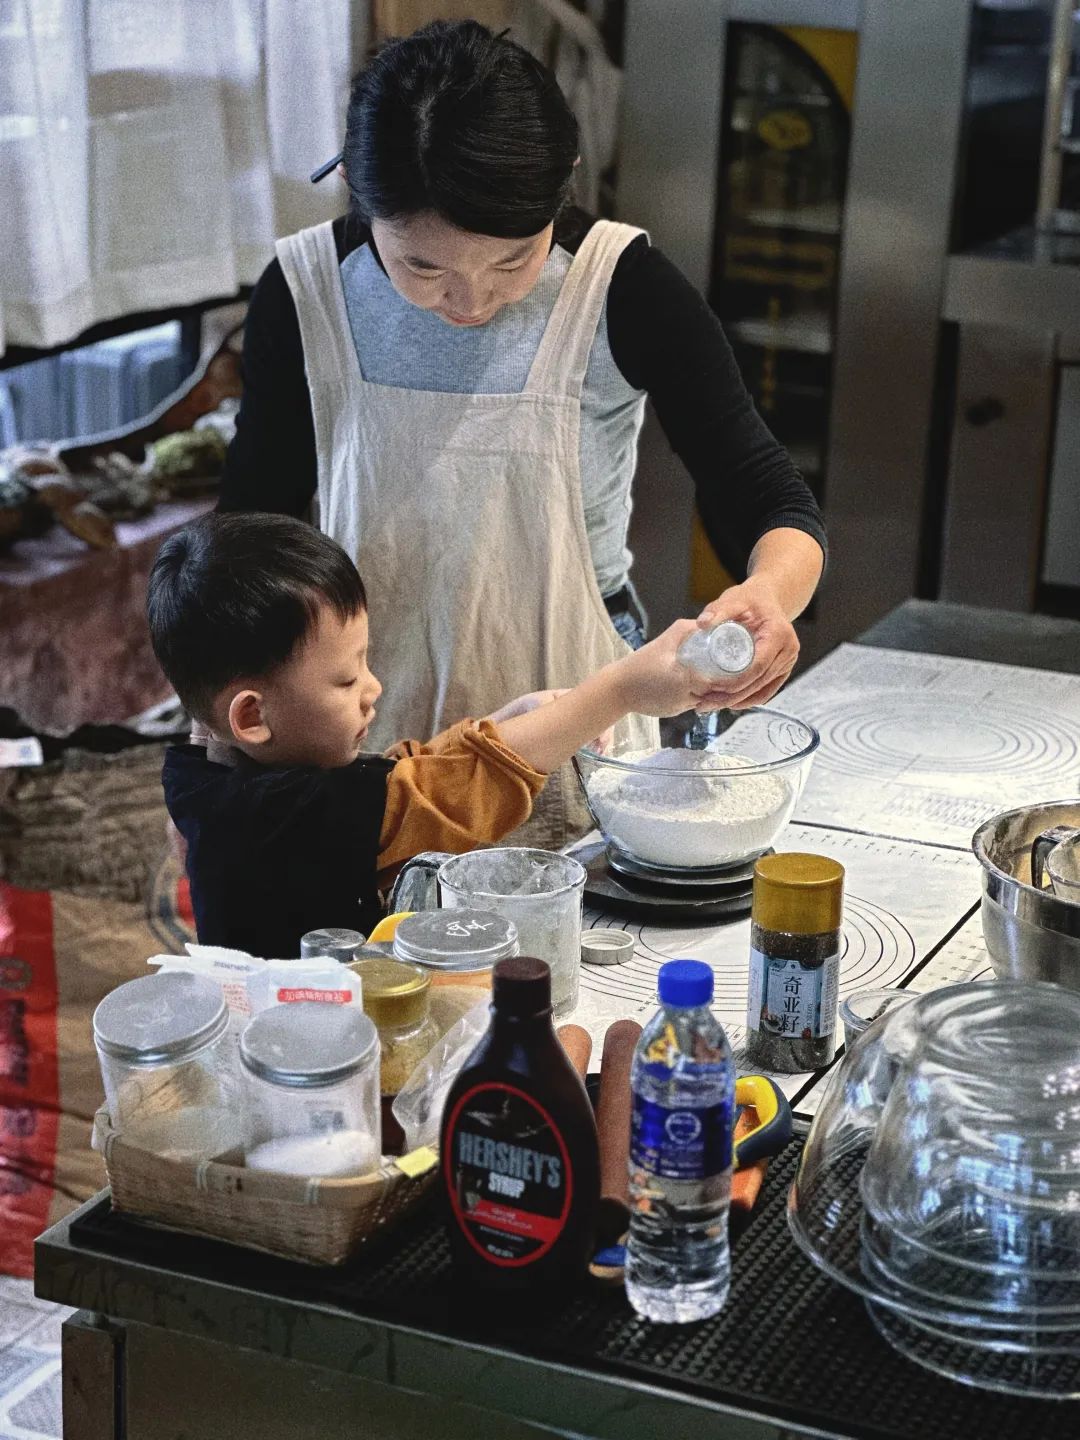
686,983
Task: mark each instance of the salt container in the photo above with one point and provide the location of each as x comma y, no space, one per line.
312,1075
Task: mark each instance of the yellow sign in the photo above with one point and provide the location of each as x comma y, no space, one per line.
785,130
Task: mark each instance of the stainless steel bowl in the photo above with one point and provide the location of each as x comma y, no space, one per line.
1031,934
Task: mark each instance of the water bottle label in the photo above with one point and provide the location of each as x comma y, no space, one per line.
788,998
508,1173
682,1144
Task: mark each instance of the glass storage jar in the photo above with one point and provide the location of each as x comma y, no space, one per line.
312,1077
397,997
168,1064
795,944
459,946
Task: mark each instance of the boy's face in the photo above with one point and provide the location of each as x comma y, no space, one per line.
319,705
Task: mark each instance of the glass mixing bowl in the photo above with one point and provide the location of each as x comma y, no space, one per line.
680,808
941,1181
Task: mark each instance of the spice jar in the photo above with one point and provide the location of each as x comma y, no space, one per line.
459,947
334,944
397,997
312,1075
794,962
168,1065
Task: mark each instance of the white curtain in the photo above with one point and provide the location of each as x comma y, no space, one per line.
152,150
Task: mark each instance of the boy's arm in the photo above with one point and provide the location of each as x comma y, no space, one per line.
466,788
651,681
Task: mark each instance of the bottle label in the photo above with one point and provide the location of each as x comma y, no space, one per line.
788,998
682,1144
508,1174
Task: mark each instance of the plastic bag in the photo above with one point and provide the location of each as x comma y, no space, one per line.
250,985
419,1104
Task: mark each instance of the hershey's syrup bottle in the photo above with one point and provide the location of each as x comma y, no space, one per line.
519,1156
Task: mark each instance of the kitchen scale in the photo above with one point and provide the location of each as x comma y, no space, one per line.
617,882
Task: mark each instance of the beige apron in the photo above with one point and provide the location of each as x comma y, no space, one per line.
464,516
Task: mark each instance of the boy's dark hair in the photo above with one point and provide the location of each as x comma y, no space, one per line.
456,120
234,595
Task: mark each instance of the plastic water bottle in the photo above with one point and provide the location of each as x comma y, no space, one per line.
678,1264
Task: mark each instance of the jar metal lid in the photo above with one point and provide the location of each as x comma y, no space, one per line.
456,939
606,947
395,992
334,943
308,1044
731,647
160,1019
798,894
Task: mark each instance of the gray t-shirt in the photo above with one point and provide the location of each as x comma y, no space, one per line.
399,345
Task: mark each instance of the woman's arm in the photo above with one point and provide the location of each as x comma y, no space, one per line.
668,342
271,461
759,513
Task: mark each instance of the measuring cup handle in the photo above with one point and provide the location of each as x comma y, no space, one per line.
417,884
1040,851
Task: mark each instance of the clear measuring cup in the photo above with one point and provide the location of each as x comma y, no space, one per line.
538,890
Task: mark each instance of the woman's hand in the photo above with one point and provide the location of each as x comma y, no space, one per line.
756,605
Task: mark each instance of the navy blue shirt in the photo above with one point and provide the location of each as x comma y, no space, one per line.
272,854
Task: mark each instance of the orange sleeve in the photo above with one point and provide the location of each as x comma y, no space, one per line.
465,788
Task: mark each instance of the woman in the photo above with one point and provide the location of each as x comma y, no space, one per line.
456,373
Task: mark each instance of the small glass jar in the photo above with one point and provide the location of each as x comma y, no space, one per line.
459,946
312,1075
168,1064
334,944
795,942
397,996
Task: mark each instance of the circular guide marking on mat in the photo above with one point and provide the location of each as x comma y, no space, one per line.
923,733
877,950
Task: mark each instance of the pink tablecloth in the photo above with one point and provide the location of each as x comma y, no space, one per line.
74,647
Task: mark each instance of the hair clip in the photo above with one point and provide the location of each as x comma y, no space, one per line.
324,170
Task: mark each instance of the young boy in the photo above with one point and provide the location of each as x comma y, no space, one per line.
260,624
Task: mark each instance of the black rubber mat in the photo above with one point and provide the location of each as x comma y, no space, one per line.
789,1343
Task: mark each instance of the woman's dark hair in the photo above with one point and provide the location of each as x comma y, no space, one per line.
464,123
234,595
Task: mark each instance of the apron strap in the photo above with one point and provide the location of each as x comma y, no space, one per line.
563,356
310,265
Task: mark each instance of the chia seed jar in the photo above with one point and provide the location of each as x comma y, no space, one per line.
795,941
168,1064
311,1071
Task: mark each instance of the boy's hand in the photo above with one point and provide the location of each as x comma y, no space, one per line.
655,682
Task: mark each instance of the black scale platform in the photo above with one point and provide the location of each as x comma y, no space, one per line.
789,1344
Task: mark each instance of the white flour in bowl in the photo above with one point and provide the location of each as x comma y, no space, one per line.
711,818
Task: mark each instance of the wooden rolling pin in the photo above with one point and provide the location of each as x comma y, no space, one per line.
613,1128
577,1042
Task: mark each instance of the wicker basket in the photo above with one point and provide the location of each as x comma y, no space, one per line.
322,1221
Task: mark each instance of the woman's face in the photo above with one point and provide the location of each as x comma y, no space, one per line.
463,278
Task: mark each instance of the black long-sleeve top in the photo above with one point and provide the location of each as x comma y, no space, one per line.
664,339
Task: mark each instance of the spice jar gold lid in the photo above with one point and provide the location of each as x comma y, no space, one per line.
394,993
798,894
